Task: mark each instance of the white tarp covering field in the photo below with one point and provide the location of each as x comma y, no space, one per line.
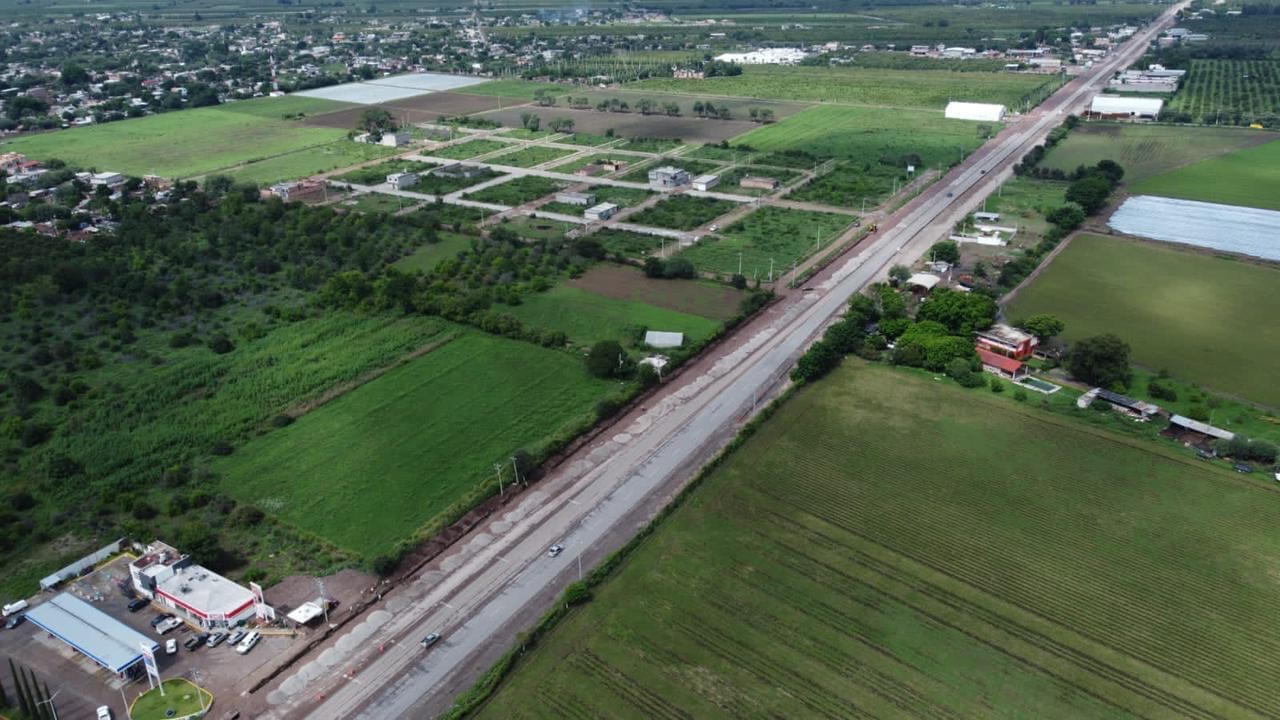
1248,231
388,89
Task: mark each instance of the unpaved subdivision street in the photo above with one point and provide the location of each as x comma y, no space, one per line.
481,593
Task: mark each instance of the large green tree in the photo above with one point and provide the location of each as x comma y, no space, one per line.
960,312
1102,360
1043,326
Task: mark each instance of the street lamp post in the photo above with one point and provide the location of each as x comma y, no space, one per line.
49,702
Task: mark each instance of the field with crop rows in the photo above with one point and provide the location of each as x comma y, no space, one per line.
1205,319
378,463
587,317
682,212
1148,150
770,234
1230,91
932,552
1246,177
931,89
191,142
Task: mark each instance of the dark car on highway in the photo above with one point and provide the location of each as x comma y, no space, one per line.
430,640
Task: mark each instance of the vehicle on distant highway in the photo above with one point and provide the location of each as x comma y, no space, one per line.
248,642
430,640
555,550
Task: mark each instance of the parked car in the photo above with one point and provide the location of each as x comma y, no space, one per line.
155,621
430,640
104,713
216,639
555,550
248,642
1243,468
235,638
136,605
171,647
195,641
169,626
15,606
14,622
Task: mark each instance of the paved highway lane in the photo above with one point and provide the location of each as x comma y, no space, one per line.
499,580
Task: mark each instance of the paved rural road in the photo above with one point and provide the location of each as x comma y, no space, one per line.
484,591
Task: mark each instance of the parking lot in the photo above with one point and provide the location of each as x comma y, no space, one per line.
82,685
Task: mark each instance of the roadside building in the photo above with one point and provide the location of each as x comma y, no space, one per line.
758,182
402,180
399,138
980,112
1196,432
302,191
589,170
1122,107
576,198
1001,365
93,633
603,211
984,216
705,182
1129,406
194,592
1008,341
922,283
613,166
668,177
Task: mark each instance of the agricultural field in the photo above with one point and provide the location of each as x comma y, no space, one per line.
437,185
517,191
467,150
1003,569
1248,177
769,237
577,164
1236,92
530,156
373,203
1205,319
425,258
429,430
627,124
192,142
416,109
682,212
587,317
931,89
515,89
691,106
307,162
869,135
853,185
696,297
583,138
1145,151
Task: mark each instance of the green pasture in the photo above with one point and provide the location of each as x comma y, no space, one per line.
1246,177
193,142
682,212
1205,319
376,465
431,254
770,235
587,317
931,89
890,546
517,191
1145,151
515,89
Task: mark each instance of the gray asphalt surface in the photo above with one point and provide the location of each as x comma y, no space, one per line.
480,593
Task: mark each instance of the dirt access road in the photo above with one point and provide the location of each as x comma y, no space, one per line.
485,590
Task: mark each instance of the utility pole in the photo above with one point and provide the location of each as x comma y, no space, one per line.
515,470
324,601
771,270
739,262
497,467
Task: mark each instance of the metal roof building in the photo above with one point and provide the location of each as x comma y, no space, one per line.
1128,106
1202,428
95,634
981,112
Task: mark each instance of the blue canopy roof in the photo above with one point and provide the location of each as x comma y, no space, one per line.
106,640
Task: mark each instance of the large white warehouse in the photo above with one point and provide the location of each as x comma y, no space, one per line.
1122,106
981,112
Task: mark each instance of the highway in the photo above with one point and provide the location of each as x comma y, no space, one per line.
496,582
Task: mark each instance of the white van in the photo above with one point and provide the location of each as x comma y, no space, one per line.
248,642
15,606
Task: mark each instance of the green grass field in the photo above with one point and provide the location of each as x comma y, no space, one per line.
530,156
682,212
861,86
626,243
1147,150
428,256
518,191
193,142
1246,177
469,149
865,135
1206,319
770,233
181,698
378,203
377,464
586,316
515,89
931,552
